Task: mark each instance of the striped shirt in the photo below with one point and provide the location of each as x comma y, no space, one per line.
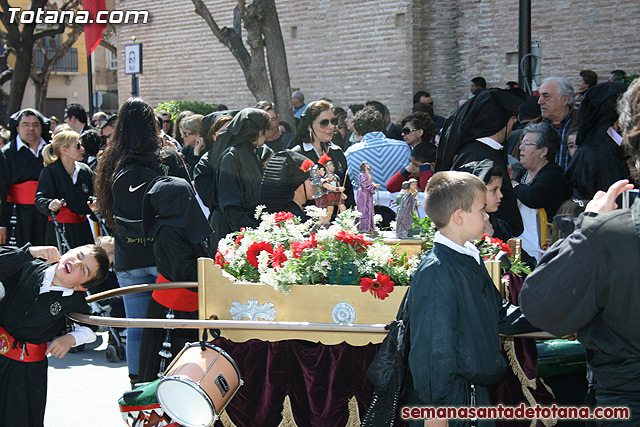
562,156
385,156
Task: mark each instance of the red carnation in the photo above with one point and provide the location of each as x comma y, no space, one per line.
278,257
298,247
324,159
219,260
306,165
282,216
506,248
381,287
255,249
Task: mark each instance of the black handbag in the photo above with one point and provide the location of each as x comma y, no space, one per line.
388,371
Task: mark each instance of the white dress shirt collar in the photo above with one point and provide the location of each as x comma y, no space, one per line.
490,142
468,248
47,285
20,144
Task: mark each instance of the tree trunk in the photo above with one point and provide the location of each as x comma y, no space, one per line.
253,22
19,79
277,60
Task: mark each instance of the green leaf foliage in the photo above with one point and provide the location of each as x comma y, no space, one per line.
175,107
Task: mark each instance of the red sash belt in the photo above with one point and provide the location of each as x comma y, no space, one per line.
23,352
66,216
175,299
23,193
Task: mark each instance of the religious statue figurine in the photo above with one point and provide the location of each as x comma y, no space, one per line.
334,195
408,206
364,201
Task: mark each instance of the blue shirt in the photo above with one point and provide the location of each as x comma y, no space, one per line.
297,111
385,156
562,156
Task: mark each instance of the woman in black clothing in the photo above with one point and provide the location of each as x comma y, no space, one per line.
238,173
135,148
64,187
313,139
541,185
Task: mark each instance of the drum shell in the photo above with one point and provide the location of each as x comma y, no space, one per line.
202,368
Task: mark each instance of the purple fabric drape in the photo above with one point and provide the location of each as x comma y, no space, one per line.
319,379
509,390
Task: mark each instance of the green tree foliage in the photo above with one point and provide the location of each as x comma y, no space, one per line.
175,107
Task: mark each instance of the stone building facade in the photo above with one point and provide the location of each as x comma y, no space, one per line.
386,50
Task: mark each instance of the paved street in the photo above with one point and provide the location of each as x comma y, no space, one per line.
84,388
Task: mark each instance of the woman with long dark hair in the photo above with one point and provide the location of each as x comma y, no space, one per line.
133,157
313,138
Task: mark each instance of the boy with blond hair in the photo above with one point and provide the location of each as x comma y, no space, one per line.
456,312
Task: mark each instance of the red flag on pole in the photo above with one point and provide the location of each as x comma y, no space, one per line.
93,32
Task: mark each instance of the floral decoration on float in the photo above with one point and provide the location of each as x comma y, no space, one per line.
284,250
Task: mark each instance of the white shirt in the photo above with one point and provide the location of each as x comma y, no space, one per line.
20,144
490,142
82,334
307,146
468,248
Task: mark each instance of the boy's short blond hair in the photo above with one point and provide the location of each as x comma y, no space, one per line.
449,191
105,240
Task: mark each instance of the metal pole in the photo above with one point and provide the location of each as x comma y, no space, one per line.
524,44
90,82
228,324
134,85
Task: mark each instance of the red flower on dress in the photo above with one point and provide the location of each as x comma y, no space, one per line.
255,249
306,165
282,216
381,287
278,257
324,159
219,260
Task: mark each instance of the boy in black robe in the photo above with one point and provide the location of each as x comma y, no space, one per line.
37,298
456,312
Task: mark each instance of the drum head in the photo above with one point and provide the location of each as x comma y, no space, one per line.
185,402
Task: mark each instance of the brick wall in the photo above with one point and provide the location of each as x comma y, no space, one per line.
353,51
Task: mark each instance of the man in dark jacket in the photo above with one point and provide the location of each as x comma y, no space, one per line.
20,166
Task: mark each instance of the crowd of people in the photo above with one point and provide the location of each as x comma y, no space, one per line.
168,188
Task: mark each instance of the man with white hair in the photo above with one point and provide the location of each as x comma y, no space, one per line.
556,99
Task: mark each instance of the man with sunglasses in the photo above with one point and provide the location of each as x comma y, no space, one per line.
20,165
167,124
385,156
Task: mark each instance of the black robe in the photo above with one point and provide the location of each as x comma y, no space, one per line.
55,183
177,260
239,178
456,314
588,282
28,316
17,167
478,151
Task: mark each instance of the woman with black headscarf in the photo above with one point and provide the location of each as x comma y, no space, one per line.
238,173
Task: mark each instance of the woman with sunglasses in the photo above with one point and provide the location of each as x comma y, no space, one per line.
315,131
64,189
416,128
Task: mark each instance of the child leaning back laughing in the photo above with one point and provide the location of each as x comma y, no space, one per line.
456,312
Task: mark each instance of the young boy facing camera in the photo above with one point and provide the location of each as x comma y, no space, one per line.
41,288
455,309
